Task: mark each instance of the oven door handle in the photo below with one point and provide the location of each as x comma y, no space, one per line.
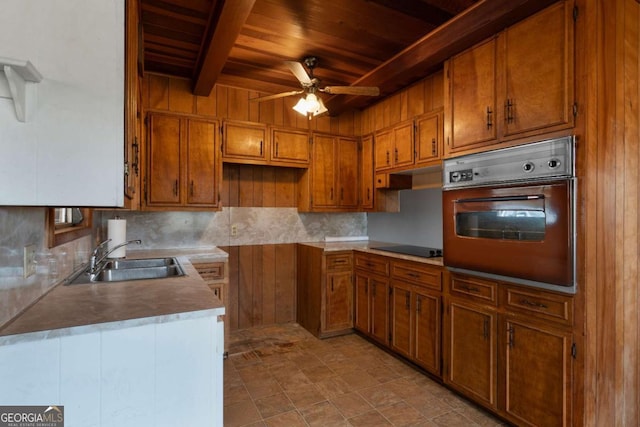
501,199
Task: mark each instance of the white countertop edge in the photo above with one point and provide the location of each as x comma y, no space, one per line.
108,326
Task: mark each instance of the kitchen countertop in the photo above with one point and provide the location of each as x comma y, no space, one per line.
135,302
368,246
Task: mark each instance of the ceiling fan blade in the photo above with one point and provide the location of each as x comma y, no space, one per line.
277,95
352,90
298,70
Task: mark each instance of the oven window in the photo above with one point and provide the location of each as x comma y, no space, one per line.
527,225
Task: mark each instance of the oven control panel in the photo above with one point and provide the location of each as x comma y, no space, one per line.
538,161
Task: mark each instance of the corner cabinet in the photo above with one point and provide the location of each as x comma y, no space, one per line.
331,182
510,349
324,291
183,165
518,84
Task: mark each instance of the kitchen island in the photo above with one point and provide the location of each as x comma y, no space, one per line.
143,352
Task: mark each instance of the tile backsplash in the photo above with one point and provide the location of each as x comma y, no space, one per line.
21,226
234,226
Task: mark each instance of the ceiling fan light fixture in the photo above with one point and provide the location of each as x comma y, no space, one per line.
310,106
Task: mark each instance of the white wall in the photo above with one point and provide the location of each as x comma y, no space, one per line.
71,152
419,221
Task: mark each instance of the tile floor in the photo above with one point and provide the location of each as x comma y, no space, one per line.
283,376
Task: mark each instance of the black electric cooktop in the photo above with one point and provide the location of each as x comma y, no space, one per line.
412,250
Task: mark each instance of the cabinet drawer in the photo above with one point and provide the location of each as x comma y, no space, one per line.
373,264
339,261
476,289
417,273
557,308
210,270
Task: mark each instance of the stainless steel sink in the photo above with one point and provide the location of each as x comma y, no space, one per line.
129,269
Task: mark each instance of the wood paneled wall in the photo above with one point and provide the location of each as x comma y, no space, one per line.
173,94
259,186
422,97
610,188
262,285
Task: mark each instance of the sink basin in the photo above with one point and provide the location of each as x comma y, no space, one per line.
130,269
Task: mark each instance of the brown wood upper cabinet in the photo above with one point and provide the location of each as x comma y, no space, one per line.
515,85
394,147
183,165
428,139
331,183
367,178
255,143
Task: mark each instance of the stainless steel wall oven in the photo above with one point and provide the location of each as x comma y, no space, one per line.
510,214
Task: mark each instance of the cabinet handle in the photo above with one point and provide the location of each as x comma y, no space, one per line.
414,275
510,341
508,111
277,149
489,118
388,158
332,284
470,288
136,154
396,151
331,194
175,187
407,301
192,186
433,147
485,329
419,305
261,148
525,301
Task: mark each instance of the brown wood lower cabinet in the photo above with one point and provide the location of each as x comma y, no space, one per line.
510,349
325,291
372,296
416,314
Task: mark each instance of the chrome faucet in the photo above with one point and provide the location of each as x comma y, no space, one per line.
97,257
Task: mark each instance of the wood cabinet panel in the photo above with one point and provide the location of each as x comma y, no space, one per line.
367,183
429,130
361,306
164,160
473,351
427,330
183,166
347,179
379,306
402,333
323,172
474,288
244,141
289,147
537,371
394,147
417,273
339,301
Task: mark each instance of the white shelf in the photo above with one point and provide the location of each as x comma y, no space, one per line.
22,77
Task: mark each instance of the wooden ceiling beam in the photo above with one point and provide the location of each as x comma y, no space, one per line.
423,11
484,19
220,41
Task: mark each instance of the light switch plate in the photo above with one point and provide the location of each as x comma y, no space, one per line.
29,264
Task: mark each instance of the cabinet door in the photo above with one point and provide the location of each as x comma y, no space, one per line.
403,149
379,310
538,372
383,150
244,142
323,175
347,180
472,352
428,139
366,173
338,310
426,350
164,160
290,147
472,98
361,306
538,70
202,168
401,318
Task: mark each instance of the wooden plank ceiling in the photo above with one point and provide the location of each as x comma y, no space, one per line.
384,43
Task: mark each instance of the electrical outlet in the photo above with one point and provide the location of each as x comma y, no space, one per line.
29,264
234,230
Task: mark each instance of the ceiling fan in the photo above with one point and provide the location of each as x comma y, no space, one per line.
311,105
